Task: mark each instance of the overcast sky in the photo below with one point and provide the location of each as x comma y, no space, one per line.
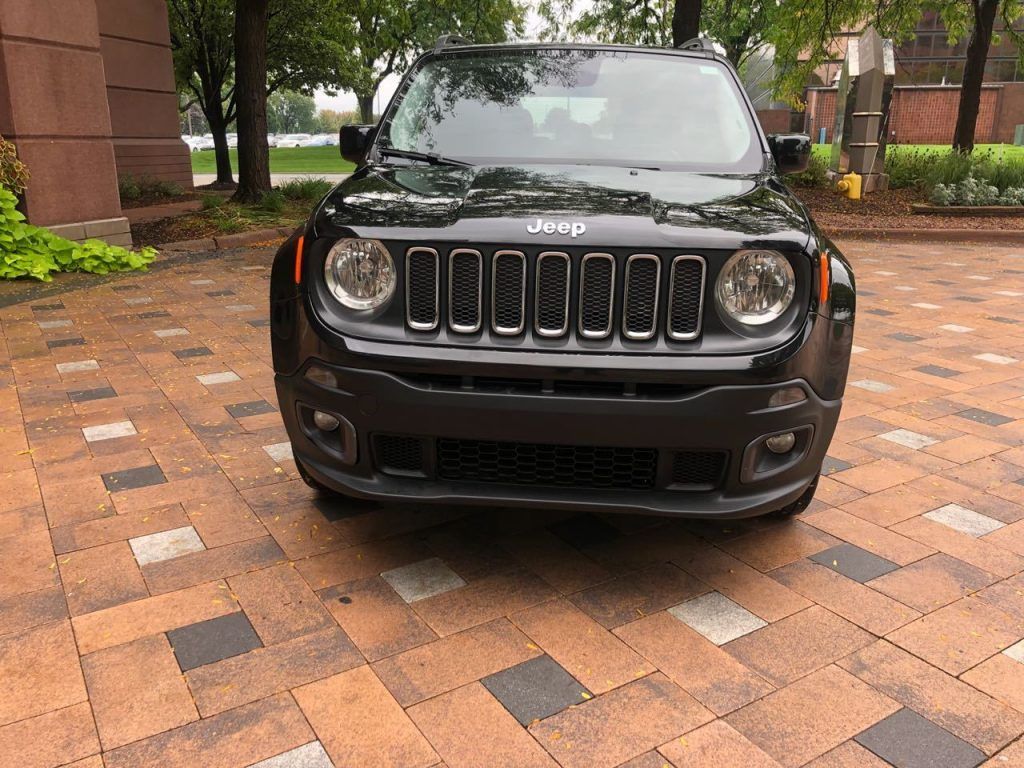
346,101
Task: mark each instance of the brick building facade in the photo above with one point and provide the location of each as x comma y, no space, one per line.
87,94
926,114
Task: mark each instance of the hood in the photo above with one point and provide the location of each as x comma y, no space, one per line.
618,207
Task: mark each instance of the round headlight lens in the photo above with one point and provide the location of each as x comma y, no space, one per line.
755,287
360,273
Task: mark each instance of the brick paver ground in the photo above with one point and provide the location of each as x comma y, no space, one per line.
171,594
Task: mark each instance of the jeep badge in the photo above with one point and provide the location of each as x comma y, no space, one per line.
575,228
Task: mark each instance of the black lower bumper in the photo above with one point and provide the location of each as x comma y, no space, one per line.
452,420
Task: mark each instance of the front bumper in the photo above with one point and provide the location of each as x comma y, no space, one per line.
729,420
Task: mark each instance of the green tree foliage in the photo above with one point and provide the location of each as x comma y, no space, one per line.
801,34
291,112
331,120
308,47
388,33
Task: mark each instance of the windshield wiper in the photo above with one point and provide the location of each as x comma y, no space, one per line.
427,157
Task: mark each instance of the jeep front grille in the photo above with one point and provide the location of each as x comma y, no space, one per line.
555,293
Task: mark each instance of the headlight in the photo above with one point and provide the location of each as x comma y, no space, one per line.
360,273
755,287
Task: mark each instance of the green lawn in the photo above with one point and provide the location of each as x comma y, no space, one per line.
1007,151
297,160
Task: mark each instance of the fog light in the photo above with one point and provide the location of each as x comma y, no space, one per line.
781,443
786,396
329,423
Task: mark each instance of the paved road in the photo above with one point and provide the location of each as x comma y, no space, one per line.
173,595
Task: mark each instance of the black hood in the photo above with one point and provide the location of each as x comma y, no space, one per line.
625,207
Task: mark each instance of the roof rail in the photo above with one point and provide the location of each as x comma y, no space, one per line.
447,41
698,44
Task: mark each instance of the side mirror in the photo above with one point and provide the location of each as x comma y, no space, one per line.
792,151
354,140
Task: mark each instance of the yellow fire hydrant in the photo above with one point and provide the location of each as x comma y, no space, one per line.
850,185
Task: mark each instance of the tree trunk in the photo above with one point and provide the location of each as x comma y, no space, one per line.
974,73
685,21
219,131
251,98
366,108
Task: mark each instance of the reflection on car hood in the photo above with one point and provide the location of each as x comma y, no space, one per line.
618,206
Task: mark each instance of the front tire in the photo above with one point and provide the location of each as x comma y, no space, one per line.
796,507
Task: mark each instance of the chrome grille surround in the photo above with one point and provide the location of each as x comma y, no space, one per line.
634,323
417,323
675,311
453,299
546,289
498,325
586,297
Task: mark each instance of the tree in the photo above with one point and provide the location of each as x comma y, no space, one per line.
251,20
331,120
386,34
308,44
291,112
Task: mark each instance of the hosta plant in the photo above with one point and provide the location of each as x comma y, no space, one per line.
30,251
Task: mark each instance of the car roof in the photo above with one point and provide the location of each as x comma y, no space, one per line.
463,47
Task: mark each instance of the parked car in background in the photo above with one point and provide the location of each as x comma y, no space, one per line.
271,140
198,143
233,140
293,140
320,140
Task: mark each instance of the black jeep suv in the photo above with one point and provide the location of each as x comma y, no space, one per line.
565,276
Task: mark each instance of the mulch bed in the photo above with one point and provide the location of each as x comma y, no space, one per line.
889,210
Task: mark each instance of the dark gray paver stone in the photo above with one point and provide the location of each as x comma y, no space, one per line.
251,408
972,299
535,689
942,282
184,354
831,465
881,312
153,313
1000,319
261,322
907,740
75,341
47,307
938,370
85,395
129,287
854,563
585,531
137,477
900,336
208,641
984,417
225,292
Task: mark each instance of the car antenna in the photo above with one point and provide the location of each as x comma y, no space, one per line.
448,41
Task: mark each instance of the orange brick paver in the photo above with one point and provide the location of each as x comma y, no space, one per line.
273,631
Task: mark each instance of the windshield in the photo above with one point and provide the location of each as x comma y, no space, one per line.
571,106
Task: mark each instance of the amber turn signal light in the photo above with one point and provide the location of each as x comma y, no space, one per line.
298,259
823,278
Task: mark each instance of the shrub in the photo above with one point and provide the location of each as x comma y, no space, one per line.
1012,196
27,250
310,190
209,201
13,172
907,167
942,194
815,175
133,188
272,202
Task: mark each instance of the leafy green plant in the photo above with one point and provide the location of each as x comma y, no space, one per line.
969,191
310,189
128,189
13,173
1012,196
30,251
815,175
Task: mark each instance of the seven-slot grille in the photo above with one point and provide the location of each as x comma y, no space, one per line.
556,293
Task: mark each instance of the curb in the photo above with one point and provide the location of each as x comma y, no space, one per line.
1012,236
225,242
